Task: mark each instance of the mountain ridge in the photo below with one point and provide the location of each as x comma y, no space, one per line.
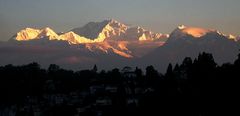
115,44
93,32
108,35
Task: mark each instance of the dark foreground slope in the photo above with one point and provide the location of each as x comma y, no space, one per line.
192,88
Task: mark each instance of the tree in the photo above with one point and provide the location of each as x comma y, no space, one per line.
187,62
138,72
169,70
206,60
151,72
32,67
176,68
126,69
53,68
95,68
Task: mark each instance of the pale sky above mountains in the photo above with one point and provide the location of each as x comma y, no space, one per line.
157,15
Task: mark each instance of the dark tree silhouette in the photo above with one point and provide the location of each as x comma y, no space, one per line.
138,72
169,70
95,69
151,72
199,87
53,68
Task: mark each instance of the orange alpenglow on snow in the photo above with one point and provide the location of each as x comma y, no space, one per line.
93,32
28,34
194,31
112,36
108,46
108,35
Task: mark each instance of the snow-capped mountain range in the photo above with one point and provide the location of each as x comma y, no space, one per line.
113,44
93,32
108,35
184,32
189,42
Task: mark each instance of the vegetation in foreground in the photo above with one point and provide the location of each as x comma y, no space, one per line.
196,87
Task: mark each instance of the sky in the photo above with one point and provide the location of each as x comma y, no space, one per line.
161,16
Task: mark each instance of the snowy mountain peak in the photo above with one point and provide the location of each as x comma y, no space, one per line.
181,26
27,34
94,32
231,36
48,32
74,38
192,32
116,23
112,21
31,33
99,31
195,32
112,29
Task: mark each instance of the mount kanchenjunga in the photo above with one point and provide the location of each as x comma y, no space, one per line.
111,44
93,32
115,30
102,30
108,35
